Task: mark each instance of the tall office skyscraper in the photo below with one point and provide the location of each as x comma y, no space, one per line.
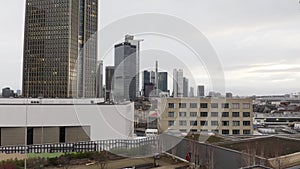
109,74
136,42
55,32
177,83
125,76
163,81
191,94
87,61
200,91
185,87
145,80
100,79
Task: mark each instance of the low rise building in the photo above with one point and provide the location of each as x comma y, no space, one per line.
230,116
42,121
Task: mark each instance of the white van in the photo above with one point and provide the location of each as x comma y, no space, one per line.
151,132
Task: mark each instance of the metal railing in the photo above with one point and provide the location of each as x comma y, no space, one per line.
80,146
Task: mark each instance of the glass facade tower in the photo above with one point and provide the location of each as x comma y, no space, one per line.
59,53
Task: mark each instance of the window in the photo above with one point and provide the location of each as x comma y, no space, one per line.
214,105
246,131
214,123
29,135
172,105
203,123
182,114
203,114
62,134
235,105
235,114
171,123
193,123
171,114
193,130
182,130
246,123
246,105
235,131
215,131
193,105
225,105
235,123
182,123
214,114
225,131
193,114
225,114
203,105
246,114
182,105
225,123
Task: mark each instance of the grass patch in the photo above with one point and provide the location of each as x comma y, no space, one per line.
44,155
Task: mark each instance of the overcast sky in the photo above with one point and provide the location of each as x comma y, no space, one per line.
257,41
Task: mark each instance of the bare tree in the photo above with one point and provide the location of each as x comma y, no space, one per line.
248,156
101,159
210,158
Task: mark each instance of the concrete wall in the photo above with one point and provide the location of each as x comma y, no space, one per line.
45,135
105,121
75,134
12,136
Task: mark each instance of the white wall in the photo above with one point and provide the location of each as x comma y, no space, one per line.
106,121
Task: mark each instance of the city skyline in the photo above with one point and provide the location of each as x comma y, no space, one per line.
264,34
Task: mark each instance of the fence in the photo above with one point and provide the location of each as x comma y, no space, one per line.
80,146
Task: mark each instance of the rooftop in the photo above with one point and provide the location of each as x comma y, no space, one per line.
267,147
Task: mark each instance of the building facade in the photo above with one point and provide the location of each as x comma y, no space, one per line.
185,87
7,92
109,75
125,75
63,121
145,80
224,116
191,93
177,83
163,81
100,80
60,54
200,91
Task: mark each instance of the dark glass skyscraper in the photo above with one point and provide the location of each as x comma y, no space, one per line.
109,74
55,36
125,72
163,81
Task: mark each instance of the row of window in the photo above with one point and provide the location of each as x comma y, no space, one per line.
212,114
206,123
212,105
225,131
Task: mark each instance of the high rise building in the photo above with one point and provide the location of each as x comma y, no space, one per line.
200,91
136,42
191,94
100,79
145,80
163,81
185,87
125,76
60,51
152,77
87,60
229,95
109,74
177,83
